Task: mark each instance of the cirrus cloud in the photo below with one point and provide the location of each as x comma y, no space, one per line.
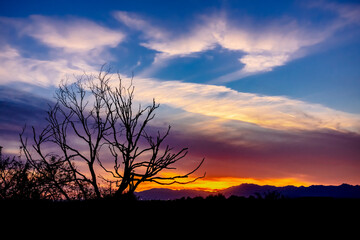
260,49
223,104
71,35
219,102
68,46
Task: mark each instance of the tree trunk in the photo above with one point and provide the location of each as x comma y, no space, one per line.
93,182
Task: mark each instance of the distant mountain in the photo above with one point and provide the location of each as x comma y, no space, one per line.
246,190
342,191
168,194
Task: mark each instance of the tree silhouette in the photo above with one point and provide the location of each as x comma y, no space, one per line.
95,116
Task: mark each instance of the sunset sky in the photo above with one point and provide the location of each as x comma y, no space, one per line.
267,91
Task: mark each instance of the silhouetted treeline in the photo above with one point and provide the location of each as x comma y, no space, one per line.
37,180
17,180
270,196
25,180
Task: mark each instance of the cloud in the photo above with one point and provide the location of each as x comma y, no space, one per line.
71,35
136,22
233,148
217,102
198,40
261,62
326,157
348,13
261,48
241,134
68,46
169,43
18,108
16,68
223,105
308,152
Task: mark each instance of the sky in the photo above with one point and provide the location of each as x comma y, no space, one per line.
267,91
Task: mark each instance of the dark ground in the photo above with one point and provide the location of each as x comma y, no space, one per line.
312,218
231,207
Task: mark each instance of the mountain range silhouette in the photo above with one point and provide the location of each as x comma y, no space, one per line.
247,190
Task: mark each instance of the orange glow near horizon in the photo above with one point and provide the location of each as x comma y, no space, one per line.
220,183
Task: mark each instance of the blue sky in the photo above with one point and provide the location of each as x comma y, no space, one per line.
325,72
226,70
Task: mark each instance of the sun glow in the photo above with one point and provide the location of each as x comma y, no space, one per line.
220,183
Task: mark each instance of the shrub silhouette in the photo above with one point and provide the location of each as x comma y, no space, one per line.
17,180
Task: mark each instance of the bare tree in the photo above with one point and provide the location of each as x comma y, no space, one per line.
93,117
129,141
75,129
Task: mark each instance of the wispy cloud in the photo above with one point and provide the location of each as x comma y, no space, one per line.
223,105
18,108
348,13
170,43
71,46
16,68
72,35
267,47
136,22
217,102
241,134
260,49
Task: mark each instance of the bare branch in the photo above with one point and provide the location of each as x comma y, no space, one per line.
90,114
